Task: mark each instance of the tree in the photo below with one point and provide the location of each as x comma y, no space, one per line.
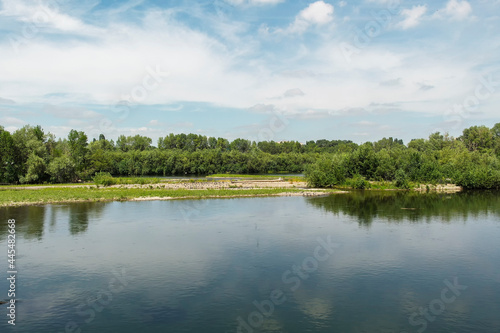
387,143
240,145
478,138
328,171
29,141
436,141
496,130
78,151
7,169
496,134
36,169
222,144
62,170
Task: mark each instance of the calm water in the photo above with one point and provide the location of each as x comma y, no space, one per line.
361,262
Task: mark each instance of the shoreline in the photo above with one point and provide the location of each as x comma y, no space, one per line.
166,198
15,196
79,193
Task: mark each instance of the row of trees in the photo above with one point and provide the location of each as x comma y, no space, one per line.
29,155
471,161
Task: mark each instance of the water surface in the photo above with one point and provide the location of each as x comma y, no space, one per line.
217,265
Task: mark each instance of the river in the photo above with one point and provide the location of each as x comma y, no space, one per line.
360,262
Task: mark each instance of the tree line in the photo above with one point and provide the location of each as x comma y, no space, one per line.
471,161
29,155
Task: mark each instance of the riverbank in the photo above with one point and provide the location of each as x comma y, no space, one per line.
45,194
182,189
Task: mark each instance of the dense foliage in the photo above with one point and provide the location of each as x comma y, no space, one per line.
471,161
29,155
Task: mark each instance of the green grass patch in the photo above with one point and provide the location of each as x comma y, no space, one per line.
105,179
68,194
257,177
7,186
353,183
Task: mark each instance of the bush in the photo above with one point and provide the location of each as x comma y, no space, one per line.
328,171
401,180
360,183
480,177
104,178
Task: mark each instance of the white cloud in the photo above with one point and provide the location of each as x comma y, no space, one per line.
117,65
254,2
317,13
455,10
236,74
12,122
342,3
412,16
43,14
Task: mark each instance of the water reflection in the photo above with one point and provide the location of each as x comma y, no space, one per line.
79,216
29,221
368,206
200,274
365,206
32,220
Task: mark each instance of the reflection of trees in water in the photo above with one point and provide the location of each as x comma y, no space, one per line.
78,219
79,215
35,218
415,207
30,219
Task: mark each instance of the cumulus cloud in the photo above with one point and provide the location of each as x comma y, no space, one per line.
317,13
203,68
412,17
254,2
455,10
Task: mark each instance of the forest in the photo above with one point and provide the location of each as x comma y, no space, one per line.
29,155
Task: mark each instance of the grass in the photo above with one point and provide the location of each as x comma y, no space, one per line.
6,186
10,197
136,180
257,177
376,185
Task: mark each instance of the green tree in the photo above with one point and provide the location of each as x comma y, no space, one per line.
62,170
29,141
36,169
7,168
328,171
478,138
240,145
78,151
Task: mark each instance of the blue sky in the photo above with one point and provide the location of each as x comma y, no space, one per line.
256,69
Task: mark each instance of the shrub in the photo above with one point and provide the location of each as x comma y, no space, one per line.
480,177
401,180
104,178
360,183
328,171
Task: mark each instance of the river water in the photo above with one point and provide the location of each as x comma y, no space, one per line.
359,262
